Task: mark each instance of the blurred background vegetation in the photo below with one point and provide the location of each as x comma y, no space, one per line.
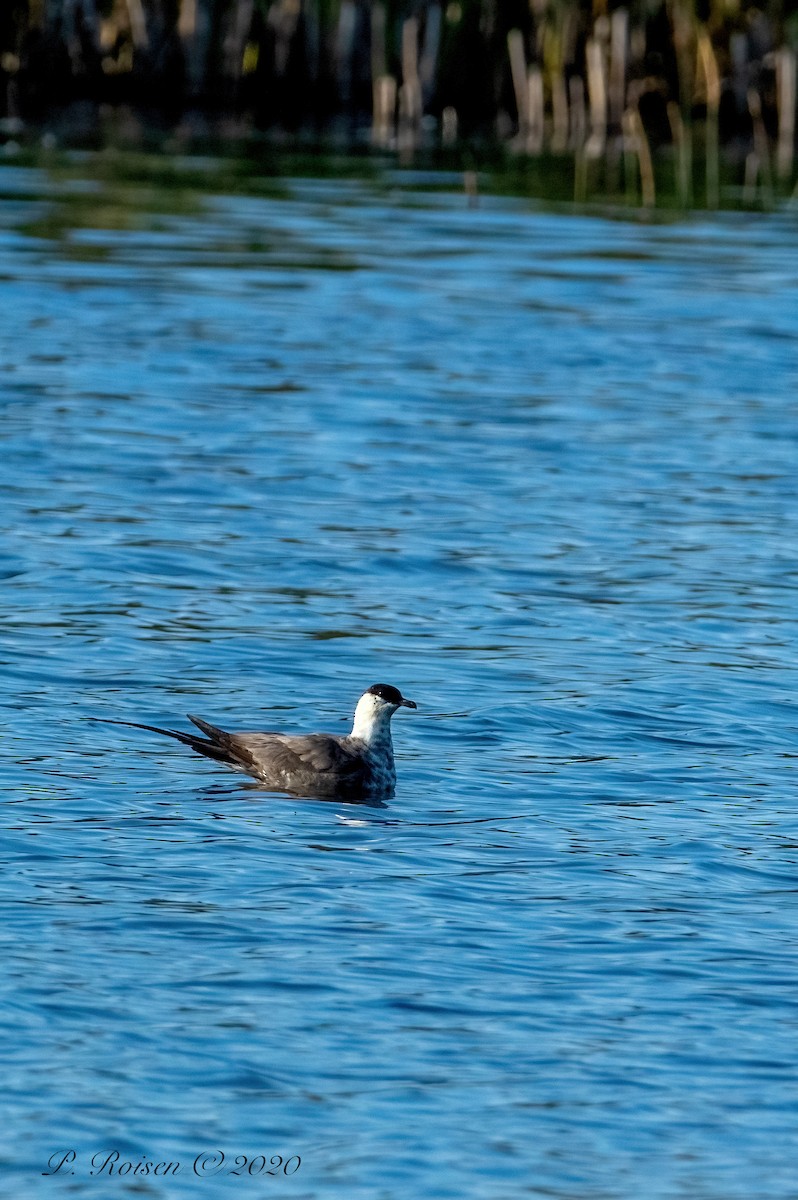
682,97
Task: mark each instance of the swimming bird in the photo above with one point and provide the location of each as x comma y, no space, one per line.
312,764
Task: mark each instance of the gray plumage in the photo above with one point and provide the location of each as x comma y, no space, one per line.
359,765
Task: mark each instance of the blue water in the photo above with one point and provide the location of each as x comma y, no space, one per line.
539,472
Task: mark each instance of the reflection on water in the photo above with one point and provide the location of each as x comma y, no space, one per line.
539,471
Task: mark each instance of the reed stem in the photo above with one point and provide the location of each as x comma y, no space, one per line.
709,66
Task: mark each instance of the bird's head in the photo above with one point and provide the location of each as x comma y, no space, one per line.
375,709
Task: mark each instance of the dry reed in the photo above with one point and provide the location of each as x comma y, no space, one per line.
600,82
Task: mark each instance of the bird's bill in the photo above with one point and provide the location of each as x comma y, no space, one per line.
408,703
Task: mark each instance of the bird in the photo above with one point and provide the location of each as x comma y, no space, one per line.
359,765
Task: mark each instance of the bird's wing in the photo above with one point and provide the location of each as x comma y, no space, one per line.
286,760
316,761
316,754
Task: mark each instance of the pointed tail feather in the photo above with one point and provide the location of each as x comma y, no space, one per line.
211,749
216,735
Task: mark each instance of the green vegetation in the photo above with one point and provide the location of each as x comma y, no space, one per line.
654,104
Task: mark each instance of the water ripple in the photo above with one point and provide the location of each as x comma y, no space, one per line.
537,470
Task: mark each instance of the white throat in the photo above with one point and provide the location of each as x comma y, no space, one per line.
372,723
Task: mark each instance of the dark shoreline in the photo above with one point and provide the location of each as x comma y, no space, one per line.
680,109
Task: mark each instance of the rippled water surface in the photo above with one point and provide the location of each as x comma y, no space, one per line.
539,471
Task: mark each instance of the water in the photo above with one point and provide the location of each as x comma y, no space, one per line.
539,472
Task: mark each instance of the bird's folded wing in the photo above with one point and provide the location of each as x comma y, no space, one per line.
289,756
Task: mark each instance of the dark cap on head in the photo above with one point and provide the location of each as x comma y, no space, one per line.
391,695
